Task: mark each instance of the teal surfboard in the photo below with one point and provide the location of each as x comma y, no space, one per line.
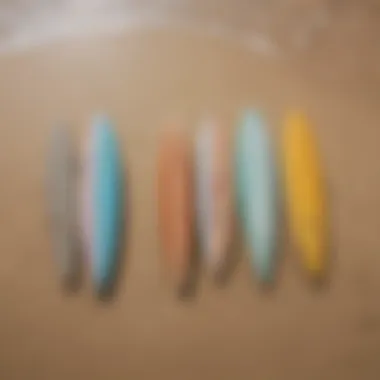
107,203
256,192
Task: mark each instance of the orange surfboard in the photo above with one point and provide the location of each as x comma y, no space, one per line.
174,204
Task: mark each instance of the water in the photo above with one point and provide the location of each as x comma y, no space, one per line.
268,27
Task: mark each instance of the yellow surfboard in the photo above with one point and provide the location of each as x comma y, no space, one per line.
305,193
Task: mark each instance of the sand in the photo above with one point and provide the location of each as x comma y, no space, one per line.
142,80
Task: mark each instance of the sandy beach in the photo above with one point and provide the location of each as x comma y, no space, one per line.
141,79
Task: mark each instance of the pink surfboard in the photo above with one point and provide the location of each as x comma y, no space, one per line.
213,195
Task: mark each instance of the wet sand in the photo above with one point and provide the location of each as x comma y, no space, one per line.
238,332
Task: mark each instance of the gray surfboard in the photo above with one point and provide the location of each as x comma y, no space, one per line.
62,204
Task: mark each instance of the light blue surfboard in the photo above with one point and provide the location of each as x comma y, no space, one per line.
256,192
107,203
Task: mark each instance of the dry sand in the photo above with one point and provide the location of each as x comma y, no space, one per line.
238,332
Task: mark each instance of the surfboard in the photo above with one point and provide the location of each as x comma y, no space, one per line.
87,197
213,195
305,192
62,203
175,205
106,203
256,190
